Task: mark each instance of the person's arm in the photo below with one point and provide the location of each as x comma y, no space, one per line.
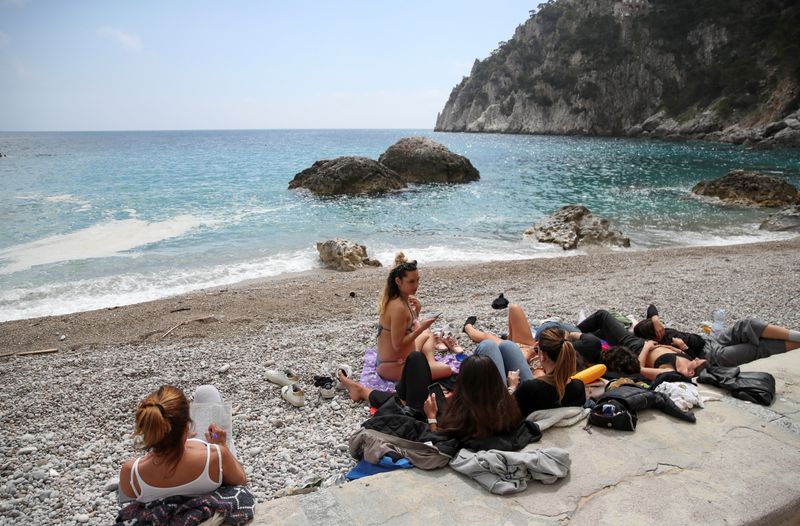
232,471
648,346
401,340
125,479
431,408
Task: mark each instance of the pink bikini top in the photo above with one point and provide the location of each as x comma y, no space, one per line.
199,486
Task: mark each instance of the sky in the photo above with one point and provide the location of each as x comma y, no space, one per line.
183,65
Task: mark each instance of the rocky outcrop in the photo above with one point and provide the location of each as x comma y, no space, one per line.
2,155
671,69
342,254
749,188
422,160
574,226
786,220
347,175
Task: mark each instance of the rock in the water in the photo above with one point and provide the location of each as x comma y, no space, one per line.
786,220
421,160
749,188
343,254
347,175
572,226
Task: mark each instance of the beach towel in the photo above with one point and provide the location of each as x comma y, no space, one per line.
370,377
235,503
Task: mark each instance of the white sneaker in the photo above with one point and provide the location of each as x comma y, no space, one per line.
284,377
294,395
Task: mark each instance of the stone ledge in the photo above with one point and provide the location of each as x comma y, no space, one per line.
738,464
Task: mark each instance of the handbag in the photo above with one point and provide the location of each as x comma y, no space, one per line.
756,387
619,418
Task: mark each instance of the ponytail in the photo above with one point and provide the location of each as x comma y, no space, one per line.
161,420
553,342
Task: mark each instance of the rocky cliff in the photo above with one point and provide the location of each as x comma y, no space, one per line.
724,70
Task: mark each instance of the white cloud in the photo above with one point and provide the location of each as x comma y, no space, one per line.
4,39
127,40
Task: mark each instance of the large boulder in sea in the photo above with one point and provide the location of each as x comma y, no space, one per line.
343,254
574,226
347,175
786,220
749,188
421,160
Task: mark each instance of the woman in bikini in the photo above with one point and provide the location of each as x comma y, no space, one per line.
400,332
176,464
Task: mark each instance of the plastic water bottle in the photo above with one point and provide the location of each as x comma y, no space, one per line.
608,410
718,325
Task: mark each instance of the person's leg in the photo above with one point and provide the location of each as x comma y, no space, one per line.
513,360
492,350
207,394
414,382
776,332
477,335
603,325
426,344
357,392
747,340
589,347
519,328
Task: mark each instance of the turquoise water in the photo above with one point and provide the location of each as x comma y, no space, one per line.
90,220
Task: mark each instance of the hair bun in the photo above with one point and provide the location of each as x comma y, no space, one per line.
400,258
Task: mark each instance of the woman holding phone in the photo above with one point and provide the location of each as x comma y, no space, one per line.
400,332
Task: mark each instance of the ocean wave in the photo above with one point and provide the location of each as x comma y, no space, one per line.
481,251
108,239
83,295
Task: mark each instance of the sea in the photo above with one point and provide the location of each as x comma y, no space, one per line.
98,219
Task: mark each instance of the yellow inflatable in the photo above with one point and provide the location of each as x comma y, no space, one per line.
590,374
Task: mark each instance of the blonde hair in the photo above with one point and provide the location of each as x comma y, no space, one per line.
391,290
161,421
553,342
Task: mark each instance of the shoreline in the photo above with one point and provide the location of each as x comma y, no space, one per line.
69,415
250,304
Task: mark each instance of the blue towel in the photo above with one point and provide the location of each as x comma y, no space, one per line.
365,469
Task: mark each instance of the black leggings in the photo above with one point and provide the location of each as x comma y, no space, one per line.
603,325
412,386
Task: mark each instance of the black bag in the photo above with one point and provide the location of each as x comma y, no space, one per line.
755,387
622,419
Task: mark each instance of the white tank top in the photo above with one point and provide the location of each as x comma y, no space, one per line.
199,486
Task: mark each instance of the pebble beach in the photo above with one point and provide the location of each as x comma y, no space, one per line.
68,415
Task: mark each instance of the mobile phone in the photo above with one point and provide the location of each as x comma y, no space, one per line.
438,392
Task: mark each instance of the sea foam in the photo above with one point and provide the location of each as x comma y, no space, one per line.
108,239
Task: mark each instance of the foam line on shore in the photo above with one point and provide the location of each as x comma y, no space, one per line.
108,239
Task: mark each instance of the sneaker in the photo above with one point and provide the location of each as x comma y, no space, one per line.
325,384
284,377
294,395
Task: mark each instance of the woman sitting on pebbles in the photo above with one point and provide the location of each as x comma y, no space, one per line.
400,332
176,464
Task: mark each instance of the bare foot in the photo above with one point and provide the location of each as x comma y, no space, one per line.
356,391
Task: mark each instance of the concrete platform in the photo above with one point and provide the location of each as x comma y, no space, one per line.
739,464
